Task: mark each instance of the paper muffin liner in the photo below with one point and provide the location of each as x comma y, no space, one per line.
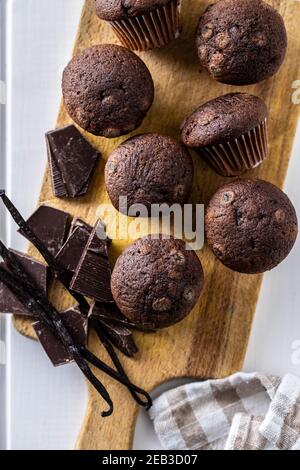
151,30
239,155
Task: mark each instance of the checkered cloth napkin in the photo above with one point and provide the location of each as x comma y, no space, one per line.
241,412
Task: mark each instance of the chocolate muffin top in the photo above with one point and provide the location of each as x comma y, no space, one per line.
223,119
251,225
156,283
241,42
111,10
149,169
107,90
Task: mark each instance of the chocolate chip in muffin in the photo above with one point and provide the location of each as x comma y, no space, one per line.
241,42
251,225
157,282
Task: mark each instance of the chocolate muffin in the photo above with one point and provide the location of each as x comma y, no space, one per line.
142,24
251,225
107,90
156,282
111,10
241,42
149,169
230,132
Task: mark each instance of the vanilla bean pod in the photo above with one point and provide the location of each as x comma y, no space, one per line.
95,361
34,306
63,277
110,350
123,322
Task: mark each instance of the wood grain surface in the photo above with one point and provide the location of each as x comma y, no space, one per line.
212,341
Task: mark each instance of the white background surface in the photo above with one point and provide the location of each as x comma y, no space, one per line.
45,406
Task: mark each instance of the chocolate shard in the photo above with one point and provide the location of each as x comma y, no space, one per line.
39,272
77,326
51,226
119,335
93,274
72,161
79,223
70,254
58,187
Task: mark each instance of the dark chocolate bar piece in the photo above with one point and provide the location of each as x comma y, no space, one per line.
58,187
51,226
70,254
39,272
79,223
77,325
93,274
119,335
72,161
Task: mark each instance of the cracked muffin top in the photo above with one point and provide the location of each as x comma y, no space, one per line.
241,42
223,119
251,225
107,90
156,282
111,10
149,169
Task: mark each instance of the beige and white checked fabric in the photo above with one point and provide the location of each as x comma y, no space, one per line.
241,412
281,426
244,434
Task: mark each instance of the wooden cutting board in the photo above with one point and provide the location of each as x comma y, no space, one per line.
212,342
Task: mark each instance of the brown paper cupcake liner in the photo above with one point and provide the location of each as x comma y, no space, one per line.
151,30
239,155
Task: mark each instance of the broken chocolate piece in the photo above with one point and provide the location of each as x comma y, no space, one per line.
57,183
79,223
70,254
77,326
93,273
51,226
72,161
40,273
119,335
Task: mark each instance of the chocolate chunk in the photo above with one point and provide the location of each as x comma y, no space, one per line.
93,273
70,254
57,183
40,273
119,335
79,223
77,326
51,226
72,161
